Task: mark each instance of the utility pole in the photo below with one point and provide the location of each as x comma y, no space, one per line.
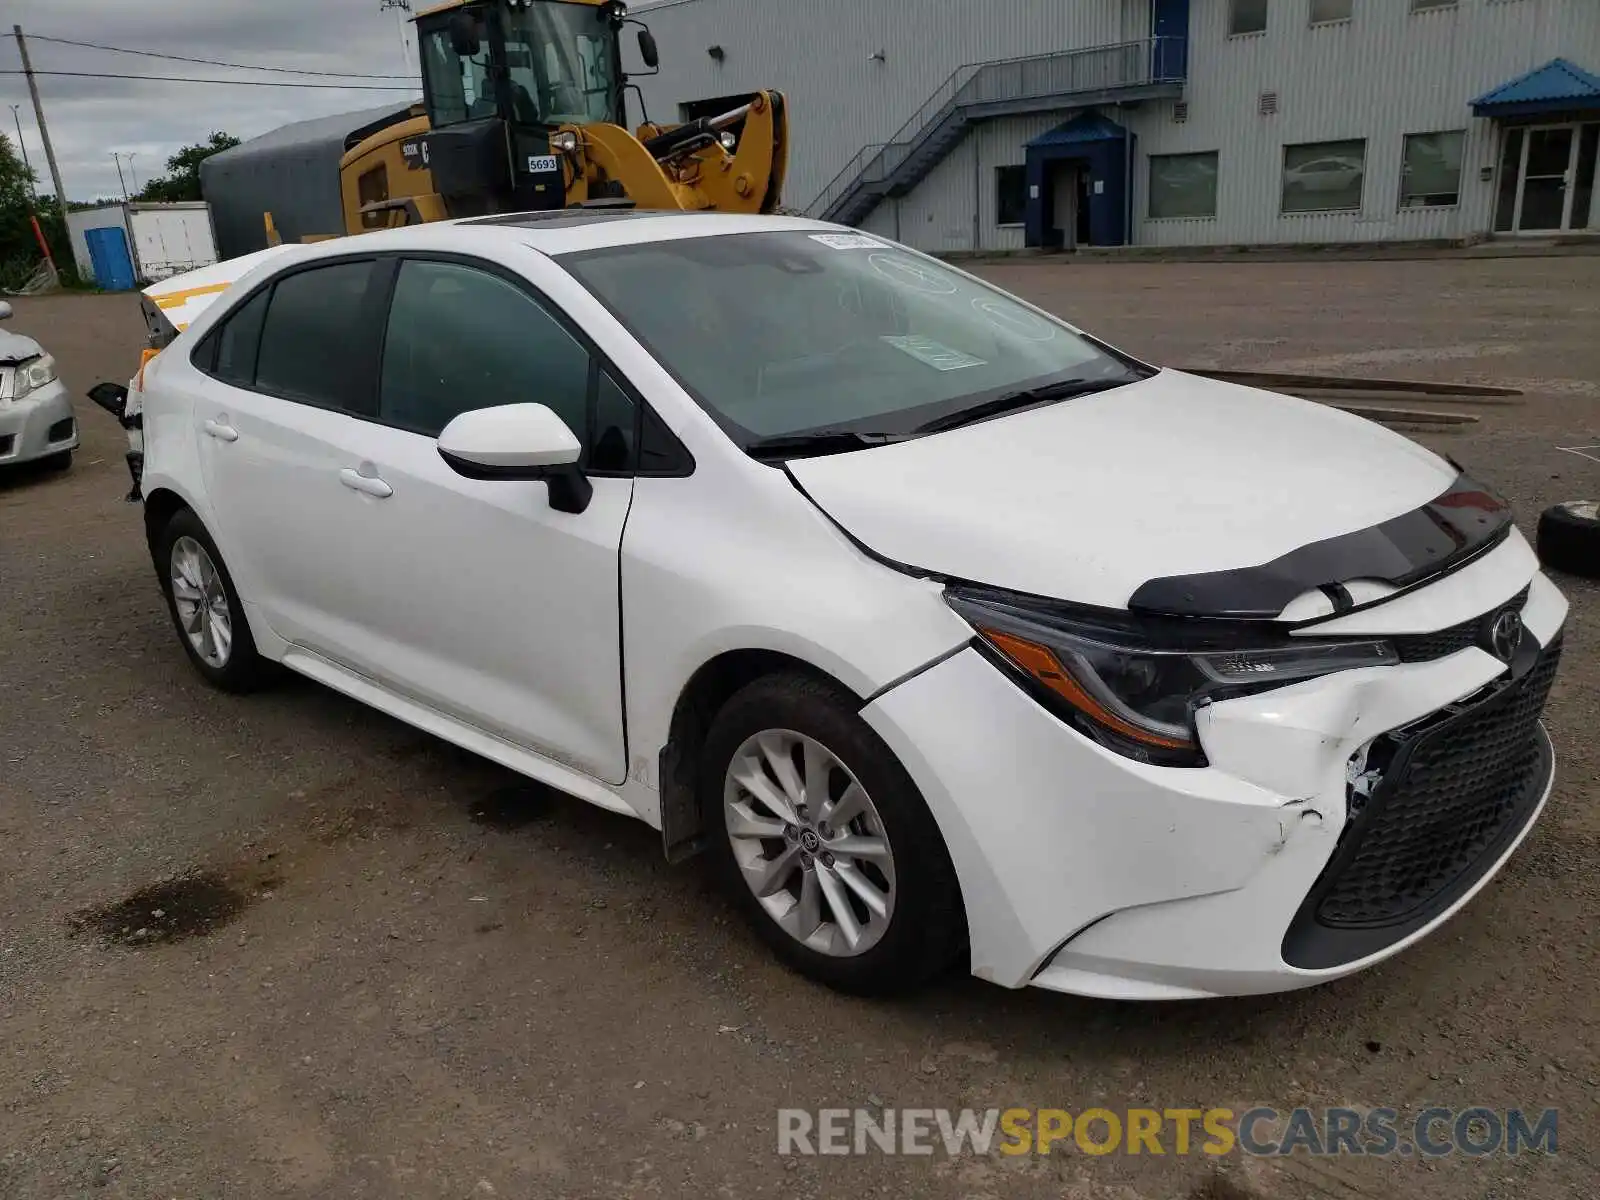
22,146
117,158
38,115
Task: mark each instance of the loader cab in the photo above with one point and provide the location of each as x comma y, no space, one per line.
498,77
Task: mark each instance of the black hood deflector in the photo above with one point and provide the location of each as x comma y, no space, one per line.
1403,551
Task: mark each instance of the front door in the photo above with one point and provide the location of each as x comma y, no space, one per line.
476,596
1553,169
1547,179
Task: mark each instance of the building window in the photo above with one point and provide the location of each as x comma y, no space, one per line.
1323,176
1010,195
1323,11
1425,5
1183,185
1431,174
1247,16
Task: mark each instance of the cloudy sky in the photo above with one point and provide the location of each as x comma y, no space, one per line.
91,118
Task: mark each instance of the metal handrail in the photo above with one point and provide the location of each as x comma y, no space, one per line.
1144,60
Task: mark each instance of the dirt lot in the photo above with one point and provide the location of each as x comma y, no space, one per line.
416,978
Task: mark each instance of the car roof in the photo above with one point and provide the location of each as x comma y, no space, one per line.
567,230
559,231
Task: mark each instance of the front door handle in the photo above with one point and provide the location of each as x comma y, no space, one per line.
370,485
222,431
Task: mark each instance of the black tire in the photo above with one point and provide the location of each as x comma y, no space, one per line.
1569,538
59,461
243,669
926,931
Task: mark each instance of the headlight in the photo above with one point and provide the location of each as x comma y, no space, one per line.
1134,685
34,373
729,140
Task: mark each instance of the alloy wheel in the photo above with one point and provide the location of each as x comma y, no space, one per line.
201,600
809,842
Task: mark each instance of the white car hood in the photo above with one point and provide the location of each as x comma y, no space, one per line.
1086,499
17,347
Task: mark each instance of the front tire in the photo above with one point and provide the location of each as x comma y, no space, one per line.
825,843
59,461
205,607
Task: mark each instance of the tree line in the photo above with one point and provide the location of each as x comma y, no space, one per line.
19,249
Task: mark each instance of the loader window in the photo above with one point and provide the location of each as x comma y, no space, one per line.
457,87
560,55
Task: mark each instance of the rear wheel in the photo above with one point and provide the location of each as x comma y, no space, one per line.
824,841
205,607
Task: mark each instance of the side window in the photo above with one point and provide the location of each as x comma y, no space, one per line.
314,337
238,340
615,426
461,339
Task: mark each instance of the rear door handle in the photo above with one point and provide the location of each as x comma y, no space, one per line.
222,431
370,485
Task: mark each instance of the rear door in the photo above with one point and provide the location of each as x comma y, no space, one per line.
297,362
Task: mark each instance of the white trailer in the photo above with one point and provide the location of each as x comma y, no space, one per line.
170,239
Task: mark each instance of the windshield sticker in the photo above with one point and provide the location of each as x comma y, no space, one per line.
907,272
1019,322
847,241
937,355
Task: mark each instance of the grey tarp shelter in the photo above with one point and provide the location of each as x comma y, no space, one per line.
292,172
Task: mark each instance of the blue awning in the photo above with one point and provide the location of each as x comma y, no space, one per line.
1558,86
1086,127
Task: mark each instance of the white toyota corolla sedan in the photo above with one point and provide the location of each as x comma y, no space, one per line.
947,632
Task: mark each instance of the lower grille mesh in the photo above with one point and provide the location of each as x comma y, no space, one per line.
1453,790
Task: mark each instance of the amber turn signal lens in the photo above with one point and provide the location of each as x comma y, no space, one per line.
1041,663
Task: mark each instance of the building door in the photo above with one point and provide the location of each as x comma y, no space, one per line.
1065,217
1553,167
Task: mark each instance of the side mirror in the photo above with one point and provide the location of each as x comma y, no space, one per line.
519,442
112,397
647,49
464,39
5,311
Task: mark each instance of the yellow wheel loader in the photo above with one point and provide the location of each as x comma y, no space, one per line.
523,108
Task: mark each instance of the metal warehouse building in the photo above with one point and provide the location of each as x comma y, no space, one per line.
998,124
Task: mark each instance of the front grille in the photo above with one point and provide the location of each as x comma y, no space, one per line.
1454,791
1425,647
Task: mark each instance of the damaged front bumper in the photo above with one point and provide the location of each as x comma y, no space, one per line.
37,426
1086,872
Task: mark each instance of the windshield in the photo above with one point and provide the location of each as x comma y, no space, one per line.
559,65
784,333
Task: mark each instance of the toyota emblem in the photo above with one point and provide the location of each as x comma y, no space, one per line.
1505,635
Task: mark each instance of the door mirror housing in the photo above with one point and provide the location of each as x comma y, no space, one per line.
112,397
647,49
519,442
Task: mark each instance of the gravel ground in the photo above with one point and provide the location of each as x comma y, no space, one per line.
413,976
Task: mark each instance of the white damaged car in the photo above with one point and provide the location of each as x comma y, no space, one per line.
36,419
947,633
